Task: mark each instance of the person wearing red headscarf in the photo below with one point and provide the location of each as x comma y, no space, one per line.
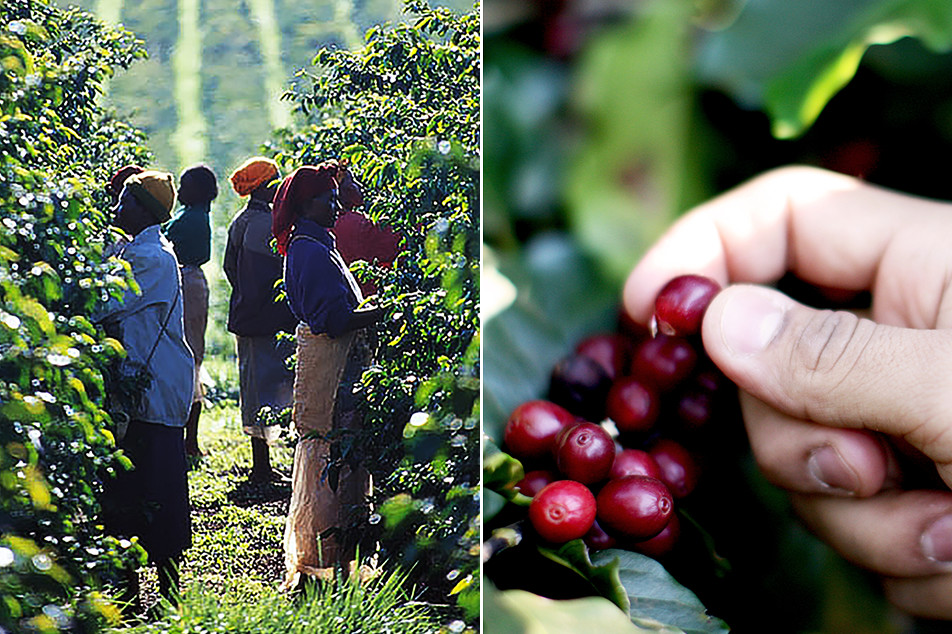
324,296
321,290
117,180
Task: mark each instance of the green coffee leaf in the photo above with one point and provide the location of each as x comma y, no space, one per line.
638,167
603,576
501,472
654,595
517,611
795,97
560,297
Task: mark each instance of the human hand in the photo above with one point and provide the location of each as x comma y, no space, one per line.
820,390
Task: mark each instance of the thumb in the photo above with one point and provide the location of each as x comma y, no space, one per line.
834,368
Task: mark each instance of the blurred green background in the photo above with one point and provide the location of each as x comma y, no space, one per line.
604,120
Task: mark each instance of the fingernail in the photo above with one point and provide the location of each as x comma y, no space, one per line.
750,321
937,540
830,470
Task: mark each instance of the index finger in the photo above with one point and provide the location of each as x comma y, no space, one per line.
829,229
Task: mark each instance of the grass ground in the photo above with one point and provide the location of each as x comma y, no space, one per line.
237,527
230,575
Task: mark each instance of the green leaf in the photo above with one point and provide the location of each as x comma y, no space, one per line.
517,611
493,503
500,470
637,168
639,586
795,97
560,296
654,595
604,576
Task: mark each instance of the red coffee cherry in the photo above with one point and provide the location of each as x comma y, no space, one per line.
532,427
534,481
634,462
629,328
562,511
585,453
663,361
632,406
679,469
709,377
662,543
634,507
680,305
695,407
611,351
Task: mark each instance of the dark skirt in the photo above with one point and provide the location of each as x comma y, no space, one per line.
151,500
264,380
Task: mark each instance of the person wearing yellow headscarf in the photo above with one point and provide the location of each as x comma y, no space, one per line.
151,501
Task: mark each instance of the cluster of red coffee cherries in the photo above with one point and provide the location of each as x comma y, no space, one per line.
606,455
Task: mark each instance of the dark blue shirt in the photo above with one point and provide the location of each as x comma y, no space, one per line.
252,269
321,290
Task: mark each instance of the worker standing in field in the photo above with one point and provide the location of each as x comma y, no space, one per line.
150,501
255,316
326,300
190,232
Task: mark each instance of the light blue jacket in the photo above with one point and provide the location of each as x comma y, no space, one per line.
136,320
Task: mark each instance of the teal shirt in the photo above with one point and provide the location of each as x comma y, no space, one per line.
190,233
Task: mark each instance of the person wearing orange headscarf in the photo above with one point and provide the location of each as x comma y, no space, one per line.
255,317
326,299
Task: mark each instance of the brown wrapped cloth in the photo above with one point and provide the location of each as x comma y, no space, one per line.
315,507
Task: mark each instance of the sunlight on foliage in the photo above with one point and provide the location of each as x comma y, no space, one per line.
404,111
56,149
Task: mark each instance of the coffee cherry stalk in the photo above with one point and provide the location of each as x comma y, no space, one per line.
612,450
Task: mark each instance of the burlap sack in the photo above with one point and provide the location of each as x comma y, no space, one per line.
314,506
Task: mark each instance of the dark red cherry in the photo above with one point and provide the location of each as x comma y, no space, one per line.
663,361
585,453
629,328
534,481
580,385
564,510
679,469
612,352
634,507
597,539
662,543
710,378
695,407
634,462
532,427
631,405
680,305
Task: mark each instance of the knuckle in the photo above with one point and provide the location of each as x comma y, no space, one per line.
826,353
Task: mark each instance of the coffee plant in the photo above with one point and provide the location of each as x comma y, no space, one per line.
603,123
404,111
57,147
586,493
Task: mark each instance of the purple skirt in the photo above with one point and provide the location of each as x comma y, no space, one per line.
151,500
